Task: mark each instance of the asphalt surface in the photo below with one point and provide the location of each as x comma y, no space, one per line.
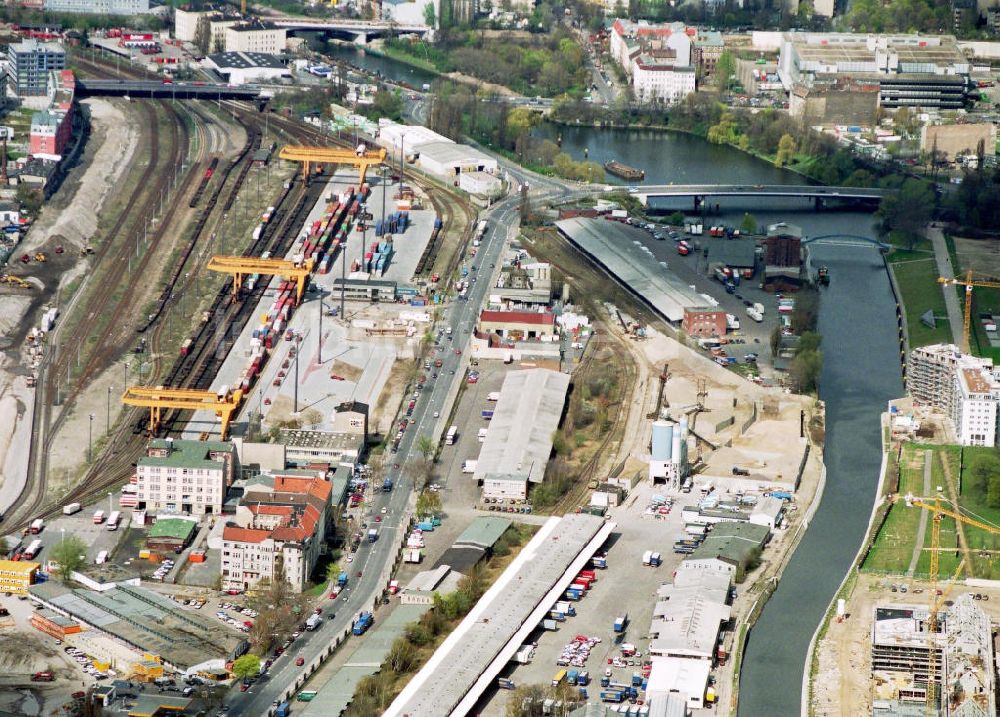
371,558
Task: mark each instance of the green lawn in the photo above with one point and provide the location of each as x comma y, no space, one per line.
917,279
985,300
894,544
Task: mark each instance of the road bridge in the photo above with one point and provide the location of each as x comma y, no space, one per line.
153,89
359,30
699,192
847,240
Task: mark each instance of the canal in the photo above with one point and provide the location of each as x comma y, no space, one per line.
860,373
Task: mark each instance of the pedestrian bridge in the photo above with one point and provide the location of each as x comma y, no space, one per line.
700,192
847,240
139,89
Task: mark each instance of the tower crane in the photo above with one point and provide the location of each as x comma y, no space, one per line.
224,402
968,282
243,266
937,512
362,157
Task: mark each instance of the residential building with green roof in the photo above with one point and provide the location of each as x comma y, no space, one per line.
189,477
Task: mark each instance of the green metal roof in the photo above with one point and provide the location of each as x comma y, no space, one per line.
186,454
732,542
484,531
172,528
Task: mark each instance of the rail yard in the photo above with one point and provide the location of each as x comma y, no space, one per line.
297,397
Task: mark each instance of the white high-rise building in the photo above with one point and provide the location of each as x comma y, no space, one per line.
974,408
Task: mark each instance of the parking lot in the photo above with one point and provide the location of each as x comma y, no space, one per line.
80,524
693,270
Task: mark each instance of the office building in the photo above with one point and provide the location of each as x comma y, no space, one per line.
17,576
974,406
29,63
98,7
190,477
259,37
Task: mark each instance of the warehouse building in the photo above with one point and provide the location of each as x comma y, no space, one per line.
449,160
469,660
704,322
338,448
359,287
475,544
740,255
518,325
146,622
783,257
519,440
170,535
238,68
730,549
610,245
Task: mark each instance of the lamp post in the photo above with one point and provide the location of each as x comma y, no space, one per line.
107,430
90,439
111,503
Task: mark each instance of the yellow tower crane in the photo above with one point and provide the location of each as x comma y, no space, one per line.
937,512
362,157
968,282
243,266
225,403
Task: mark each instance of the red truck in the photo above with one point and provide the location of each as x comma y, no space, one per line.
43,677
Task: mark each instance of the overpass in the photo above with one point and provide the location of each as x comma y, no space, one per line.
699,192
142,89
360,30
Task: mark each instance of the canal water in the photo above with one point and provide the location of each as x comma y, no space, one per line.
861,372
390,69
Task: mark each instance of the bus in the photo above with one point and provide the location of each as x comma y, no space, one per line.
306,695
33,550
558,678
113,520
452,435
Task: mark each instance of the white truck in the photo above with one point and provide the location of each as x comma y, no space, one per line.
412,555
469,466
71,508
754,314
313,622
482,434
732,322
493,396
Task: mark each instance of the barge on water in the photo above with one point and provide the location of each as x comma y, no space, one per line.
623,170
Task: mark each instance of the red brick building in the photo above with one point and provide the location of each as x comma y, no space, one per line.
52,128
704,322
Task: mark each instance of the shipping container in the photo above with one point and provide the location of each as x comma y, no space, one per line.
37,526
71,509
98,517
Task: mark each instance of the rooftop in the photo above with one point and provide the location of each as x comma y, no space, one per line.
686,620
610,244
733,252
177,528
145,620
325,440
19,567
483,531
445,152
732,542
185,454
545,318
519,439
246,60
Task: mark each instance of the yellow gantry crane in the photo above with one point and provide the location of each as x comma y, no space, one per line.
242,266
968,282
362,157
937,512
225,403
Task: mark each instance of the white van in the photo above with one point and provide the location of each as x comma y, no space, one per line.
102,557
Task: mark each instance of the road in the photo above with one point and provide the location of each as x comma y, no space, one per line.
371,558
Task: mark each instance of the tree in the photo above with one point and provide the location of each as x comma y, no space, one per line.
426,446
402,656
906,211
203,35
430,18
725,70
786,150
70,554
246,666
422,471
749,224
428,503
677,218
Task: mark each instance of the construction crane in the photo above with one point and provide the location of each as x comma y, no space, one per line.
242,266
968,282
937,512
225,403
362,157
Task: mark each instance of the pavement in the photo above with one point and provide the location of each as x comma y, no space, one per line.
951,303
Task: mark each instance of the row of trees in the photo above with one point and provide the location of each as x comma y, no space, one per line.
548,65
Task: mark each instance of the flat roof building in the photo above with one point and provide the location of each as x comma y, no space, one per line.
448,159
471,657
337,448
704,321
729,548
99,7
16,576
29,63
239,68
518,325
185,476
255,37
610,245
145,621
519,439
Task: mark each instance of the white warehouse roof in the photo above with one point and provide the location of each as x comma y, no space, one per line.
611,245
393,134
519,439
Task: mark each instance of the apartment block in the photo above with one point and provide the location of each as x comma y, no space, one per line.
658,58
192,477
29,63
255,37
282,518
99,7
974,408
